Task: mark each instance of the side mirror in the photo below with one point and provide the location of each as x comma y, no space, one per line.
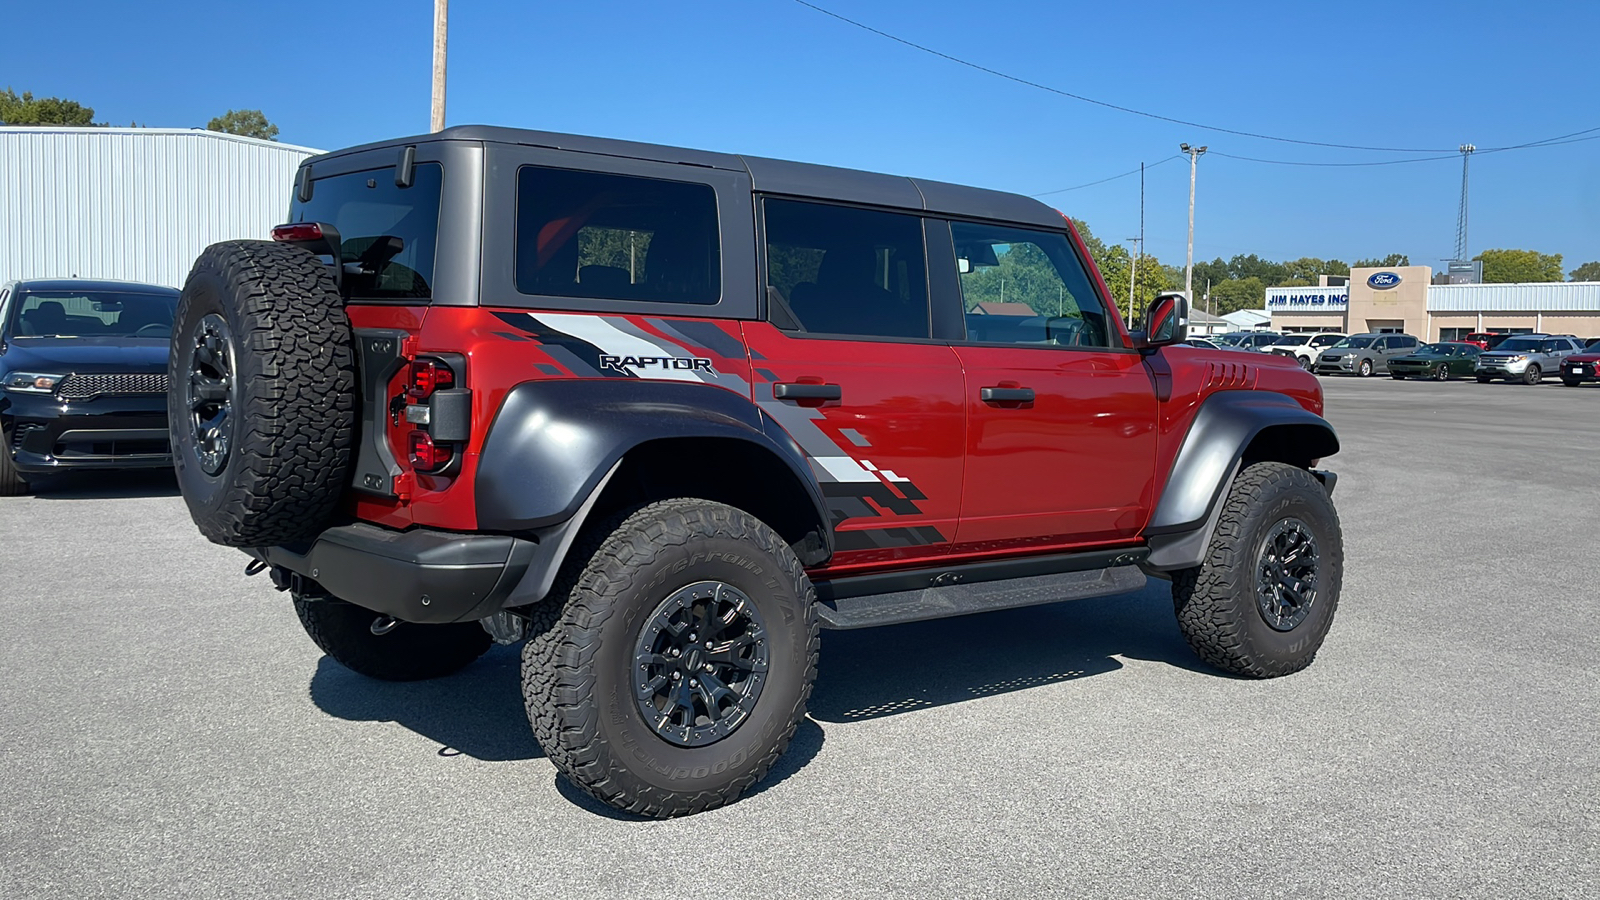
1166,322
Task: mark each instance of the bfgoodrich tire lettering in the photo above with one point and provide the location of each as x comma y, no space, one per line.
407,653
1217,603
578,673
286,391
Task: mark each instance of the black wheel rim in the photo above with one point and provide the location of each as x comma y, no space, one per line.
208,393
1286,574
1443,374
700,663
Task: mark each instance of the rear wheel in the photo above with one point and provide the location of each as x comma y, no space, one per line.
1306,363
1533,374
679,661
1263,600
1442,373
378,647
12,484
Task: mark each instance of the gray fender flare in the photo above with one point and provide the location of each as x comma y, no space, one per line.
554,445
1227,424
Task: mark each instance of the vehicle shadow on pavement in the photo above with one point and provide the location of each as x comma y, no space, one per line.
880,672
105,485
476,712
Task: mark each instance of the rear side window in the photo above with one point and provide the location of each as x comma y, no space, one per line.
840,270
371,212
616,237
1028,287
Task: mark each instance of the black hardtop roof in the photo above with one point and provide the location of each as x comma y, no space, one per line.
90,284
768,175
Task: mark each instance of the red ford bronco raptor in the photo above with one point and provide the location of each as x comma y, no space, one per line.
662,414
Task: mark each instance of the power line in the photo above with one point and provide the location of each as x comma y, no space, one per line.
1078,187
1547,142
1137,112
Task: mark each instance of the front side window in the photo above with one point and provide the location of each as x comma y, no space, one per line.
616,237
388,234
93,314
840,270
1026,287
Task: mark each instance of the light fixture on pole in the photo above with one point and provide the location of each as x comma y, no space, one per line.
1188,267
441,17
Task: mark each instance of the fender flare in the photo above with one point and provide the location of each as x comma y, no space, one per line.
1227,423
552,444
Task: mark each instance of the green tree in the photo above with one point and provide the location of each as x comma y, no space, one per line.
27,110
1236,294
1589,271
1393,260
1519,266
245,122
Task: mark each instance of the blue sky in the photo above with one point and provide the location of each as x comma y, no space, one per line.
772,78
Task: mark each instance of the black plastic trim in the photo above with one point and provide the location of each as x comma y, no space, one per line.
972,573
376,468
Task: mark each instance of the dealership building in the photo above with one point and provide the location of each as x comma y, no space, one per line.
1403,300
136,204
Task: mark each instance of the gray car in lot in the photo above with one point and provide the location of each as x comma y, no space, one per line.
1364,354
1526,357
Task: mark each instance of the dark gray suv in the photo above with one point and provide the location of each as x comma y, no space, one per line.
1364,354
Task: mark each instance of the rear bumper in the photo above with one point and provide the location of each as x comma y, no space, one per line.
425,576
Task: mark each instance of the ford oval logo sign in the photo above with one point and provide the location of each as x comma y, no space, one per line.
1383,280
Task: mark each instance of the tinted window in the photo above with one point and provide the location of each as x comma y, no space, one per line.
1355,343
93,313
369,210
837,270
1326,340
1026,287
616,237
1402,342
1524,345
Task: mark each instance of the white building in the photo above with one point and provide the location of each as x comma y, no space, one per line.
137,204
1249,319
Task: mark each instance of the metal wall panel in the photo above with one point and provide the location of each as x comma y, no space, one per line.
137,204
1554,296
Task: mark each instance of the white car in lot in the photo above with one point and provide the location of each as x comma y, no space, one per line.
1304,347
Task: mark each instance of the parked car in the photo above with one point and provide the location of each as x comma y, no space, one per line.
1486,340
1201,342
1253,340
1589,343
1441,361
83,377
1364,354
1305,347
1525,358
1581,366
688,454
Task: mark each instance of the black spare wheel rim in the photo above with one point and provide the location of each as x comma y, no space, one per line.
700,663
1286,574
208,393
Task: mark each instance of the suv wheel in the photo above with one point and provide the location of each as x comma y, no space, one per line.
679,661
1306,362
12,484
403,652
1365,368
1569,382
1262,602
1533,374
1484,379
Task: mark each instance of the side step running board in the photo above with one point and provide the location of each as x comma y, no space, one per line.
961,599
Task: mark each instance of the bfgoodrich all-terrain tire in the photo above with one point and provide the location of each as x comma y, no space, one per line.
1263,600
408,652
262,405
680,661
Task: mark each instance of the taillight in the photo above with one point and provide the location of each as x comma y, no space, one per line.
427,376
426,455
299,232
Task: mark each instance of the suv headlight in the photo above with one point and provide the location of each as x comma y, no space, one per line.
32,382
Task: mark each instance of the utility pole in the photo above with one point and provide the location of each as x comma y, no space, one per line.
441,18
1188,267
1133,273
1461,216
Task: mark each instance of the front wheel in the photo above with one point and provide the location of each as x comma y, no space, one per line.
404,652
1365,368
679,661
1263,600
1569,382
1533,375
12,484
1484,379
1442,373
1306,363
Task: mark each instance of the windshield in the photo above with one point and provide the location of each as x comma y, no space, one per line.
1289,339
367,207
91,313
1443,349
1521,344
1229,339
1354,343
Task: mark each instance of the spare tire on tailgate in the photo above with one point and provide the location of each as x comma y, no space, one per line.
262,404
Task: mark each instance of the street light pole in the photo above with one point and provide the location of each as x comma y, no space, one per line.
441,17
1188,268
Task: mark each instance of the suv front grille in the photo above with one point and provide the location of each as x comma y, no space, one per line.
84,387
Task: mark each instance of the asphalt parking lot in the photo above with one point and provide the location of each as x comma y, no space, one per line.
169,731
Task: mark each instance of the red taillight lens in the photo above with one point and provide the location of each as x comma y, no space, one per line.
427,456
298,232
427,376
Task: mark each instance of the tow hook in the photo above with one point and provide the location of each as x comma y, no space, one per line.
382,625
254,567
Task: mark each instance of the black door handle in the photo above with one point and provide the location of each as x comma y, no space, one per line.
792,391
1005,395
